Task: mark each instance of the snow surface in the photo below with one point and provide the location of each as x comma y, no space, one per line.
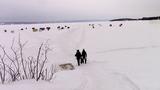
119,58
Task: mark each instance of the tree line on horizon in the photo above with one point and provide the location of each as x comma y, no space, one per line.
133,19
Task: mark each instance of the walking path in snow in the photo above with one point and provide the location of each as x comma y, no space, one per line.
97,77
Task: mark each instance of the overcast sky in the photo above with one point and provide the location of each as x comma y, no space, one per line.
61,10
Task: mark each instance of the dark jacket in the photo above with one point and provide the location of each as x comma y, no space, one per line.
78,54
84,54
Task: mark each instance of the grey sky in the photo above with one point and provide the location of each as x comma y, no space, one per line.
55,10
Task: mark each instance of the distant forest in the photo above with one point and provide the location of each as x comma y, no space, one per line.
133,19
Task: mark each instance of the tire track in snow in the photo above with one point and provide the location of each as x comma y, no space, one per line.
97,78
66,43
82,39
72,39
131,48
128,80
83,84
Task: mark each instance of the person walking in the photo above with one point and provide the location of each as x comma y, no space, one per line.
84,56
78,57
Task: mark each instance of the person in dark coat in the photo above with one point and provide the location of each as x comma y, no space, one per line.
78,57
84,56
82,60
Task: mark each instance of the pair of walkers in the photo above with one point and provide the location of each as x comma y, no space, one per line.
81,57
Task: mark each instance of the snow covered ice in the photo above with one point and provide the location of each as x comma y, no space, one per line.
119,58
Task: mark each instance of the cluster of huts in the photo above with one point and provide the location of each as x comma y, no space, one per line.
49,28
40,29
100,25
120,25
12,31
64,27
